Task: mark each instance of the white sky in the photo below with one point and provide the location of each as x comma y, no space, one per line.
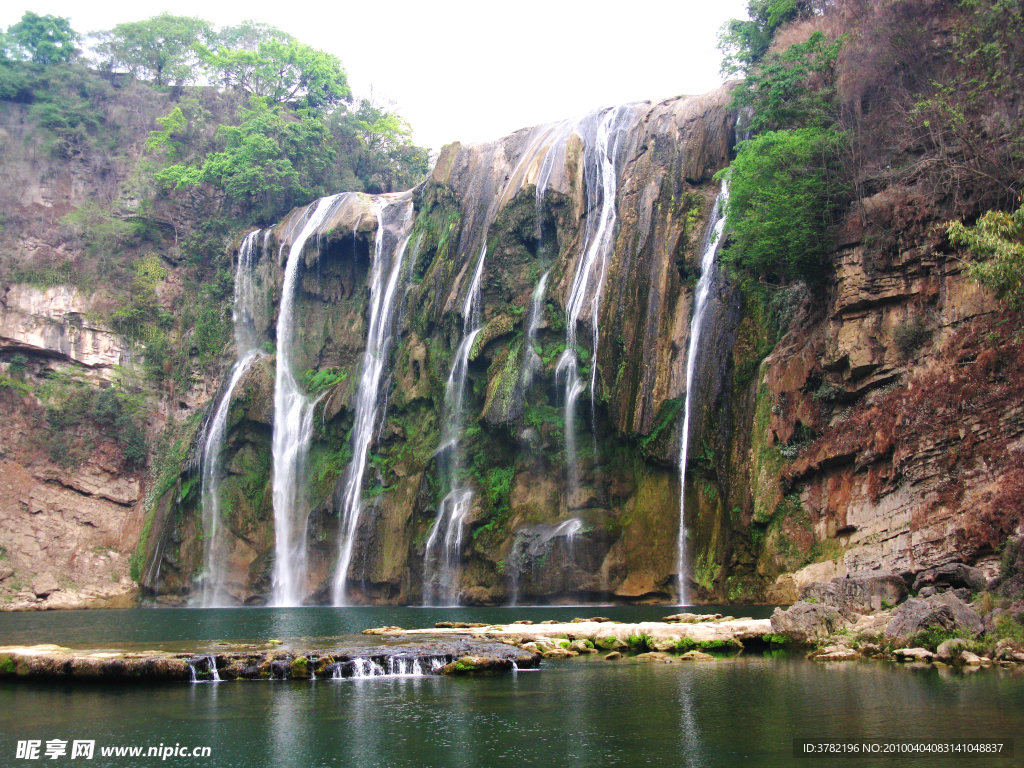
470,70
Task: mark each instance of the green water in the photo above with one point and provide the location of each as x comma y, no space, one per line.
744,710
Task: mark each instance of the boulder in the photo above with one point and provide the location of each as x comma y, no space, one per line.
610,643
952,575
970,659
807,622
945,611
531,647
860,593
696,656
44,584
613,656
654,657
950,649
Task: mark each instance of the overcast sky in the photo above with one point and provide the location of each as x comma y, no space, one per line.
470,70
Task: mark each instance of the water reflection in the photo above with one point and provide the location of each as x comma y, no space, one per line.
744,710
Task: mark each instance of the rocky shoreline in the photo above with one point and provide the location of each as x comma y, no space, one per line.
955,619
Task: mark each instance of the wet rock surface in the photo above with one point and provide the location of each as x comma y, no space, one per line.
42,662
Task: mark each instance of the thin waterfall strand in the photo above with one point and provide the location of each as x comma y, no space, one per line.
246,354
700,303
600,158
384,279
441,562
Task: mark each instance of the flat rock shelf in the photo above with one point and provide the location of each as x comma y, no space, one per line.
247,662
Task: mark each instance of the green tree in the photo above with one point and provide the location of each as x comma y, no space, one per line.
744,42
163,48
997,243
264,61
783,196
43,39
271,161
794,89
380,144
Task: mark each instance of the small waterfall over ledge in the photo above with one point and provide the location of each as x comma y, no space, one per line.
708,277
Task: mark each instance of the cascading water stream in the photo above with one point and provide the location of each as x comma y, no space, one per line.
246,353
293,428
600,159
384,279
443,557
700,304
531,359
444,544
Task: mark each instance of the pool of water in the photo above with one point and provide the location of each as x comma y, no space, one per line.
170,626
742,710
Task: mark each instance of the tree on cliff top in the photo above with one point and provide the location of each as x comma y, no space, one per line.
42,39
744,42
164,48
267,62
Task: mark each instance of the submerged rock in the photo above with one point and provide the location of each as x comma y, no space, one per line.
697,656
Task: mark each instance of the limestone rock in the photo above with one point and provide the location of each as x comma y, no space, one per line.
950,649
1008,650
654,657
44,585
610,643
859,593
666,643
945,611
696,656
581,647
835,653
970,659
807,622
952,575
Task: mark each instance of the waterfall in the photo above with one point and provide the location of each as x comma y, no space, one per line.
384,279
444,544
293,427
451,512
531,359
246,353
600,157
535,543
700,303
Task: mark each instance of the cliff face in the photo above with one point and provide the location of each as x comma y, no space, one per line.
875,424
884,430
